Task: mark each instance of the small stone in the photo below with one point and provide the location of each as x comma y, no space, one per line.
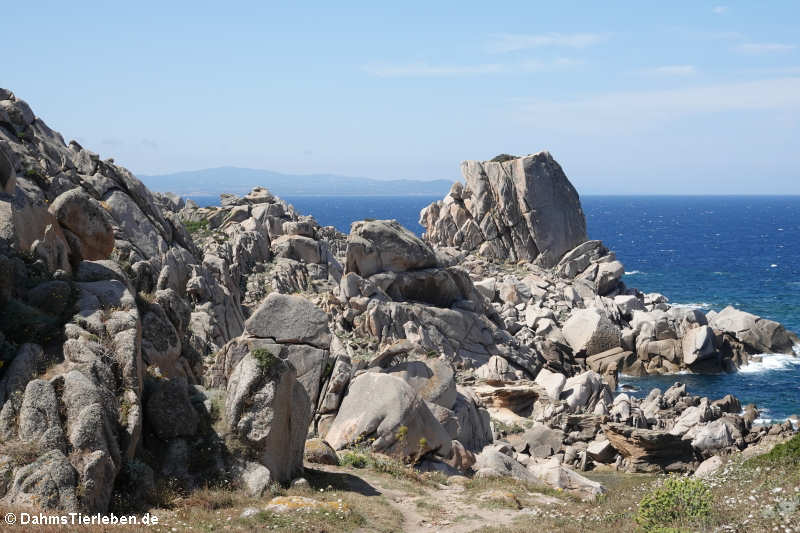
247,512
300,483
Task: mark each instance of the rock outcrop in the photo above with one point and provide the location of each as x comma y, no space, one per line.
386,413
144,338
524,208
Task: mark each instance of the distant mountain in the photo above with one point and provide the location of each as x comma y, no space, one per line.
213,181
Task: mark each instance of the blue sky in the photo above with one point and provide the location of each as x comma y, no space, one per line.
630,97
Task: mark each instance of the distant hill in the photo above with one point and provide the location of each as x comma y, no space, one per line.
213,181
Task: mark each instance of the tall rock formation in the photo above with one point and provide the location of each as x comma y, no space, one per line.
112,305
146,339
521,208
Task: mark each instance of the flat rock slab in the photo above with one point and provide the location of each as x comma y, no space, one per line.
649,450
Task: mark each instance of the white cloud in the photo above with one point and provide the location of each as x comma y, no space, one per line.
512,42
672,70
764,48
720,10
628,110
427,70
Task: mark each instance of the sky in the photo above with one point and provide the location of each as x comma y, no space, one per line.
680,97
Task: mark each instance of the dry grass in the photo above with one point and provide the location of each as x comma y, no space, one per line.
21,452
519,489
361,457
759,495
212,509
748,496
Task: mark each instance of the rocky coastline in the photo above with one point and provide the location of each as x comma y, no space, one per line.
145,338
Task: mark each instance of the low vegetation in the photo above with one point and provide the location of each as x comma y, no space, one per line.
502,158
684,501
785,455
371,492
21,453
265,359
760,494
512,429
196,226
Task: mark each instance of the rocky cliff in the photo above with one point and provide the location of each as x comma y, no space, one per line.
511,208
146,340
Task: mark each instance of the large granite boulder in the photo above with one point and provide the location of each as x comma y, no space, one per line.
492,462
698,344
387,409
433,380
290,319
47,483
758,334
473,423
523,208
268,411
584,391
441,287
589,332
559,477
85,224
385,246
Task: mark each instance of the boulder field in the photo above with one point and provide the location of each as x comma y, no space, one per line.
144,338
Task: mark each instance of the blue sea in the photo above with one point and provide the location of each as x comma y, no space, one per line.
702,251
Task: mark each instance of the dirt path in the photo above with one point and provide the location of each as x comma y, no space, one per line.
447,508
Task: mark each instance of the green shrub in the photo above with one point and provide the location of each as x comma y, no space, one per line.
679,499
786,454
361,456
402,433
506,429
354,458
195,226
265,359
502,158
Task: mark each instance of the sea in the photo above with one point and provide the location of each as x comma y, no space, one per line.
705,252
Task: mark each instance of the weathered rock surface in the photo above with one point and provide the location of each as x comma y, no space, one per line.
90,233
320,452
491,462
521,209
557,476
647,450
385,246
290,319
159,339
589,332
758,334
385,408
268,410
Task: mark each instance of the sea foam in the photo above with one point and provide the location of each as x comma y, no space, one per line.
771,362
693,305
